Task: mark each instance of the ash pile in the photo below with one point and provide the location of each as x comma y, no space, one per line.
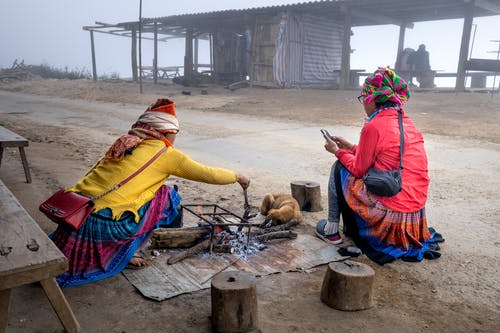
218,230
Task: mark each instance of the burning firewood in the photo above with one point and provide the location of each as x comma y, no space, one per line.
282,227
223,248
178,237
275,235
189,252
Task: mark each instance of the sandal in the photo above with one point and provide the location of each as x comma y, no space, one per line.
141,262
436,236
430,255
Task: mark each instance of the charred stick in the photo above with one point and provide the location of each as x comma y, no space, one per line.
266,222
189,252
223,248
281,227
246,208
276,235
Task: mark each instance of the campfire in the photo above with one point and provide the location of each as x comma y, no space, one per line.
218,230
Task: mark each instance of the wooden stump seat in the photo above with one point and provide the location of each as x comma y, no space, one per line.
348,286
307,194
234,302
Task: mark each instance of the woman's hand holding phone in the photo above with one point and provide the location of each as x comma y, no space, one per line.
330,144
326,134
338,142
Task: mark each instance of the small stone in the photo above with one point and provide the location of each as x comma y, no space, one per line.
155,253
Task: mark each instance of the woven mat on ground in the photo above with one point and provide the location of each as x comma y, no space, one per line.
161,281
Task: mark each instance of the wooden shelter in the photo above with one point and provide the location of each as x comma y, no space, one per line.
303,44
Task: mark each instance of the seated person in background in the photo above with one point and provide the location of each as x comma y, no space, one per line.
419,62
384,228
123,220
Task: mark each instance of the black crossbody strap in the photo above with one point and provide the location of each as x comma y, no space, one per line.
401,138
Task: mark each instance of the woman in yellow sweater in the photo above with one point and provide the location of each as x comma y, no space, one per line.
123,220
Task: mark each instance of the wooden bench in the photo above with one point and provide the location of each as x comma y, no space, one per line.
11,139
163,72
27,255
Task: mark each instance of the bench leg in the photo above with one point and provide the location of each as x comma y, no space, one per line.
4,309
25,164
1,155
60,305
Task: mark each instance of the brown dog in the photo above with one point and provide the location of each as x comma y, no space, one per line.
280,208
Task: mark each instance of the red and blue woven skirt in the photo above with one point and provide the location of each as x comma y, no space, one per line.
395,234
104,246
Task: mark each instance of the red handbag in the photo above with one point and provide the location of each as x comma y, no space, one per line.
69,208
72,208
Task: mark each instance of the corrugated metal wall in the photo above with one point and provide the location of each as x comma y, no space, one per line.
308,51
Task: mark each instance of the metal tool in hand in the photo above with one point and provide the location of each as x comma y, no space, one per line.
246,206
246,209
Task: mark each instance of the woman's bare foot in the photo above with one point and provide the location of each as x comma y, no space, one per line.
138,261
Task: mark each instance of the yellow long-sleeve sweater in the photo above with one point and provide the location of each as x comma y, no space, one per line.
141,189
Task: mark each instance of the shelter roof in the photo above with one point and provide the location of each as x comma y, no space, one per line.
363,13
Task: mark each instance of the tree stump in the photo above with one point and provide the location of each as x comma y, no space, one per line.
234,302
348,286
307,194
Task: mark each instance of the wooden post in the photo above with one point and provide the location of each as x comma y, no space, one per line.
211,47
307,194
348,286
464,47
401,40
140,46
155,54
234,302
92,49
188,56
345,67
134,54
195,61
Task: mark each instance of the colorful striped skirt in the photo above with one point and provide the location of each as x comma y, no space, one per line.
104,246
393,233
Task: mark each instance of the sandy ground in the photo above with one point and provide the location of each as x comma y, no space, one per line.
273,136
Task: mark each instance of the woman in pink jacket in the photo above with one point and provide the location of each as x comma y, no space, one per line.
385,228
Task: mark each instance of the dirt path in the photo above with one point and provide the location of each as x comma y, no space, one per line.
270,136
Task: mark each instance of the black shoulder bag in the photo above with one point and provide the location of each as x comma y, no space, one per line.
387,183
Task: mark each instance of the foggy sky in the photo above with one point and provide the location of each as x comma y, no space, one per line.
50,32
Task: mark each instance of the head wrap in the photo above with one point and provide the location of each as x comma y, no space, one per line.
161,116
385,85
162,122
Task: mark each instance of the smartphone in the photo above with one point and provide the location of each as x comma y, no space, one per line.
326,134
